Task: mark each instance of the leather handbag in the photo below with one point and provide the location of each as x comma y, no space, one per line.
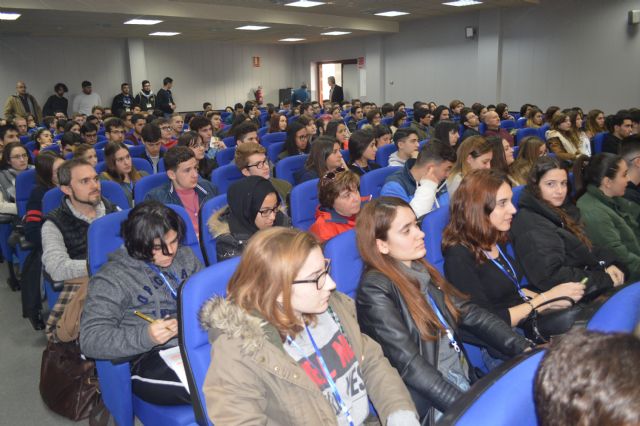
540,326
68,383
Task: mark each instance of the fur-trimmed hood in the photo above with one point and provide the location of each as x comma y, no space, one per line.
218,223
220,316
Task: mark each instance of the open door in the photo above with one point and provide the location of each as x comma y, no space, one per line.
328,69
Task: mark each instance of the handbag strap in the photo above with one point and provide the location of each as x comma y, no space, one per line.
533,316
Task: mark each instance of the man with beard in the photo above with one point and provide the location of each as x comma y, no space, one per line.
64,234
146,99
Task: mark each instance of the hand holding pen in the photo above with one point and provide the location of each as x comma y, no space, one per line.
160,330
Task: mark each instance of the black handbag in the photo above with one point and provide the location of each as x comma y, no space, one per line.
541,326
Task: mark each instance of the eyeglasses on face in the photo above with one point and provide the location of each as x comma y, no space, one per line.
19,157
321,279
259,164
268,212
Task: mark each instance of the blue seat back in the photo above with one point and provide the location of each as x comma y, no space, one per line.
433,226
146,184
54,147
136,150
161,167
508,124
371,182
229,141
101,144
361,123
224,176
542,131
273,150
114,193
270,138
621,313
190,239
525,132
103,238
383,154
346,263
139,163
206,238
25,182
225,156
304,200
521,122
194,340
387,121
345,155
287,167
598,140
262,131
509,387
25,139
517,191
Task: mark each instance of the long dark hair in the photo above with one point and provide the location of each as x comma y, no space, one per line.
110,161
44,168
591,171
373,223
471,205
320,151
6,154
290,143
539,169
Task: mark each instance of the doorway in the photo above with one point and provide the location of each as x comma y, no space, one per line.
328,69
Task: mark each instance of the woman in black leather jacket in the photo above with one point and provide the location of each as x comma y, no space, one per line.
395,304
548,240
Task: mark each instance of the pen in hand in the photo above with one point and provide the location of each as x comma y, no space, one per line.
148,318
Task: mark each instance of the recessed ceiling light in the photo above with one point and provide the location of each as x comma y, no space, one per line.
292,39
9,16
460,3
142,22
305,3
391,13
336,33
252,28
163,33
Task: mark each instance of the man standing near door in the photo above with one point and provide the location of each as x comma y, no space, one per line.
335,94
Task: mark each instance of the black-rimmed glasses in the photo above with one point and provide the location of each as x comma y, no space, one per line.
321,279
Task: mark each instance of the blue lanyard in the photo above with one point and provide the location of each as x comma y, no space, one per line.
157,270
452,339
325,372
513,278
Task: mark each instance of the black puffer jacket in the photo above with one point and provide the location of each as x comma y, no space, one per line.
550,254
384,316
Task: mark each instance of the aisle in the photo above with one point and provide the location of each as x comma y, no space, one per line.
20,356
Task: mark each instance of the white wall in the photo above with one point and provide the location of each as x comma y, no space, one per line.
220,73
570,52
43,62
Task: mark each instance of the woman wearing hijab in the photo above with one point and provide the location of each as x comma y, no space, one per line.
253,205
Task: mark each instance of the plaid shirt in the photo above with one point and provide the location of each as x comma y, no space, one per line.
68,291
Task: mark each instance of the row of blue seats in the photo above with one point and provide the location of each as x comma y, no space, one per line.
509,388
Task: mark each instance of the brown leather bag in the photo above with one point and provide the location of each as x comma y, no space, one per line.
68,326
68,383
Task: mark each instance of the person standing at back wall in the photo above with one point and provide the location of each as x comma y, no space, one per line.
164,98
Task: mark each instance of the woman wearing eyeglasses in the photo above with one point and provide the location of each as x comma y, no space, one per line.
15,160
193,141
120,168
253,205
286,348
340,201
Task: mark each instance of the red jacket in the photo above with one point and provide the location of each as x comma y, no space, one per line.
329,223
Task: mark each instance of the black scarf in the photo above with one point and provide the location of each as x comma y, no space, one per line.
245,197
